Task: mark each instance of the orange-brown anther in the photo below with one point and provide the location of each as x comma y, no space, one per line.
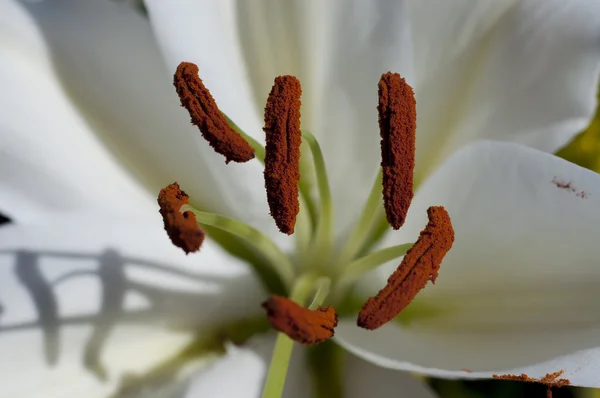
552,380
282,157
420,264
181,227
206,115
301,324
397,125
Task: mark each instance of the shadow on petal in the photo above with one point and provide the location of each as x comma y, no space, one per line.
173,308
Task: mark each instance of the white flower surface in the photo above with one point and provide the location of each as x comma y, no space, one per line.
90,129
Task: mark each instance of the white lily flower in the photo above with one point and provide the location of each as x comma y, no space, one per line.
90,122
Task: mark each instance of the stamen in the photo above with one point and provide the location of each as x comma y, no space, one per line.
206,115
181,227
323,236
420,264
361,266
272,256
301,324
397,125
282,158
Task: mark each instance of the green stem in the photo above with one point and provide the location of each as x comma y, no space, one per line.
307,202
278,261
326,365
280,361
361,231
322,291
259,150
379,226
367,263
324,230
303,233
282,352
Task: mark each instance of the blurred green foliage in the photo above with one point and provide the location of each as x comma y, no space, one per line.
583,150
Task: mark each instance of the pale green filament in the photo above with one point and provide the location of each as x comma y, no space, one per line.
283,346
322,291
359,267
259,150
323,238
277,259
359,235
282,352
307,203
379,226
302,233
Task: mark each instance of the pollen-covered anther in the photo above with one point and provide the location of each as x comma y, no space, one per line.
181,227
282,157
301,324
397,126
420,264
206,115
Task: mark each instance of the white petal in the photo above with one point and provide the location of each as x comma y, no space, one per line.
337,49
525,71
204,32
80,300
519,285
241,373
50,159
365,40
580,367
107,57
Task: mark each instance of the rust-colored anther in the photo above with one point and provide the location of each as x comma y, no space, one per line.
420,264
282,157
301,324
206,115
181,227
397,125
551,380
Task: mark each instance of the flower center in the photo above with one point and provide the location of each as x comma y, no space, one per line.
318,269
